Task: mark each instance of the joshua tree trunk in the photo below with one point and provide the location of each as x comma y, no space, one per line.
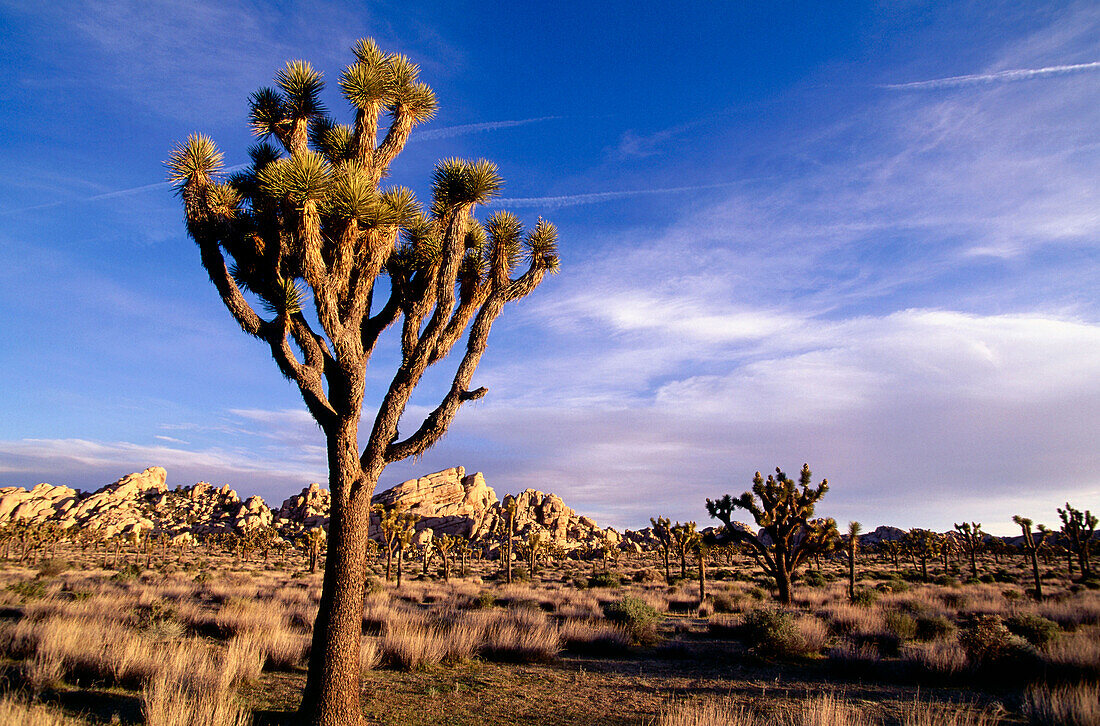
400,563
702,578
668,570
1035,574
924,567
332,686
783,585
851,575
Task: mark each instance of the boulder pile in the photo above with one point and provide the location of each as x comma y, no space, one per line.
447,502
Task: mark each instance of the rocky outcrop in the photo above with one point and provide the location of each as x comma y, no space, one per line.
135,504
448,502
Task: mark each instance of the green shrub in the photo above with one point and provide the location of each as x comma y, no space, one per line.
646,575
28,589
722,574
865,597
723,602
945,581
604,579
1011,594
813,578
772,632
986,639
52,568
932,627
373,586
634,616
485,600
757,593
1035,629
901,625
130,571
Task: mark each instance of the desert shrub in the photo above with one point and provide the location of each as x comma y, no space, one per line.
646,575
902,625
945,581
1035,629
773,632
722,574
865,597
1003,575
129,571
757,593
897,584
933,627
724,602
28,589
1011,595
985,639
484,600
953,600
52,568
373,586
604,579
814,578
1068,706
636,617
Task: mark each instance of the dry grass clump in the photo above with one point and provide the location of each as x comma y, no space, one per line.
166,702
411,646
26,714
587,636
940,658
707,713
82,647
1066,706
521,635
1075,655
828,709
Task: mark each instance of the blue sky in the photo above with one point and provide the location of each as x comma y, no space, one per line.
862,236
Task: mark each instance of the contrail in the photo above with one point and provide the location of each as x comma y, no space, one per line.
1022,74
106,195
448,131
571,200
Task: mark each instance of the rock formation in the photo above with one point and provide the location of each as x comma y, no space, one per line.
448,502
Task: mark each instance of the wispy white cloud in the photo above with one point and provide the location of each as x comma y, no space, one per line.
1020,74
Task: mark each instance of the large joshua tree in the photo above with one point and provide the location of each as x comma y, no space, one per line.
334,259
784,511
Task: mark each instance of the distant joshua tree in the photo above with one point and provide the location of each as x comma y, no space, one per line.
506,531
971,537
851,546
684,538
1031,547
1078,529
784,510
662,530
308,223
923,544
446,544
315,538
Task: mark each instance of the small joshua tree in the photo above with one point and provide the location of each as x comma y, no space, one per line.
662,530
446,544
1031,547
315,538
533,548
923,544
971,537
851,546
784,511
684,538
1078,529
388,529
506,530
701,550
